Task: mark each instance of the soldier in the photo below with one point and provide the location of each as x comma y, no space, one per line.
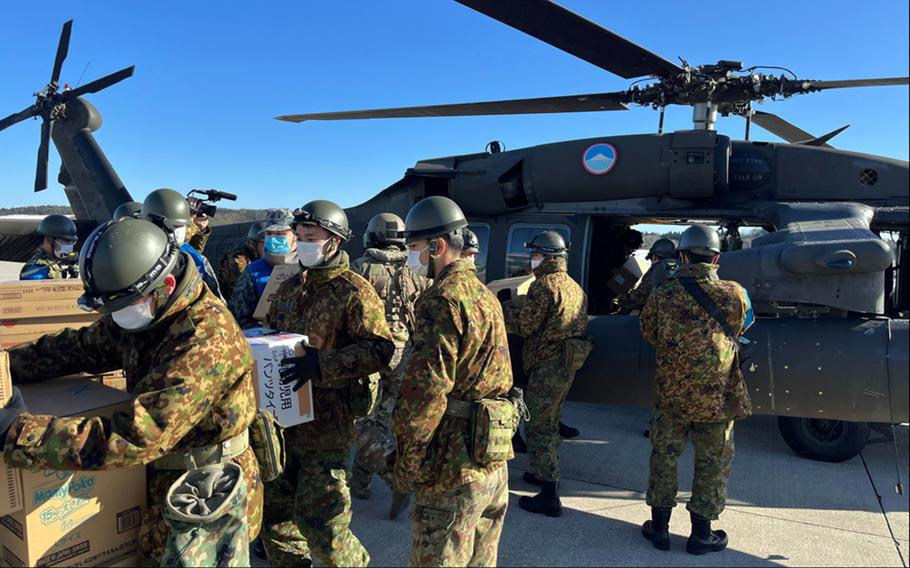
128,209
279,246
172,206
459,355
186,363
471,246
553,319
234,262
699,387
309,506
384,265
662,256
55,258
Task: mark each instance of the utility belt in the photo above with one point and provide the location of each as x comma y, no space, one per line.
194,458
491,422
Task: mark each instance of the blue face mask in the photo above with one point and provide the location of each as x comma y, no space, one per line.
277,244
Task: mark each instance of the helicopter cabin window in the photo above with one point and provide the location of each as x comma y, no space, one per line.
517,256
482,230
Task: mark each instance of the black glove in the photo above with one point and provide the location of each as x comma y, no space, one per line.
14,407
504,295
299,370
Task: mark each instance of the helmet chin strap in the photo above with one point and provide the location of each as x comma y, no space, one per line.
431,267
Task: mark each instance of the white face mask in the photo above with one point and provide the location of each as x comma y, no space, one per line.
535,262
135,316
311,254
414,263
64,250
180,235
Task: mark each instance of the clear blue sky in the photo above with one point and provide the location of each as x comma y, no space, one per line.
211,75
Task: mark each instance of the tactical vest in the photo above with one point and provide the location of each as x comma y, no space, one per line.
663,271
397,292
260,270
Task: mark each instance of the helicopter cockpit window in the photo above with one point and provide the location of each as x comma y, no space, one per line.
483,237
517,256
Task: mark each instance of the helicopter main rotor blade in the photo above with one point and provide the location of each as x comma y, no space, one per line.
43,149
783,128
566,30
102,83
572,103
848,83
63,48
17,117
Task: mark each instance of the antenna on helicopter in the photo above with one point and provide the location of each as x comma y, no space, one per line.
50,102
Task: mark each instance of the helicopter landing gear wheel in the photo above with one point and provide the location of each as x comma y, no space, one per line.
824,440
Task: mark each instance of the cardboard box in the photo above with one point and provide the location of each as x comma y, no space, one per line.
11,490
518,284
73,518
625,277
279,274
40,298
289,408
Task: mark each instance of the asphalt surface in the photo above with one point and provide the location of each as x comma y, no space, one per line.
782,509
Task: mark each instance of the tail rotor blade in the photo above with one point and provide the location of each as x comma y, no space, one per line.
43,148
17,117
102,83
63,48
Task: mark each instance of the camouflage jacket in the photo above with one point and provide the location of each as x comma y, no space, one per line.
189,372
696,379
231,266
343,317
555,309
657,274
396,285
196,238
41,266
458,349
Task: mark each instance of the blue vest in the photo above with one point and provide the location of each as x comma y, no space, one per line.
197,257
260,270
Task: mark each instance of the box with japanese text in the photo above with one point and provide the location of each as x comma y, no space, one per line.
290,408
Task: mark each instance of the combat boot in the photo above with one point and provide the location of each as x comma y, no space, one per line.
529,477
518,444
546,502
399,503
703,539
566,432
657,530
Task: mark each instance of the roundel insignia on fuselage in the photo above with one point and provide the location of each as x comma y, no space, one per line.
599,158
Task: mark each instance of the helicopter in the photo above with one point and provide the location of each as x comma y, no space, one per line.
829,291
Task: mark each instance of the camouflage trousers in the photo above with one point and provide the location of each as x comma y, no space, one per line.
548,385
713,444
374,442
308,509
461,527
153,535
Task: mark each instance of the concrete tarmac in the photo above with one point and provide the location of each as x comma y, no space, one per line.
782,510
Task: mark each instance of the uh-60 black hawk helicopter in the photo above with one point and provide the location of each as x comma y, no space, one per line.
831,294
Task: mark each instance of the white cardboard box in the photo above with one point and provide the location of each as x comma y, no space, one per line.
290,408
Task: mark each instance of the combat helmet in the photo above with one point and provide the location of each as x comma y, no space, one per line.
433,217
128,209
383,230
471,242
700,240
125,259
168,204
58,227
548,242
325,214
663,248
256,232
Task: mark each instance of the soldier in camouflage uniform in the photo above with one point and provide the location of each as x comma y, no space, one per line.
279,247
384,266
186,363
699,387
235,261
309,506
54,259
552,319
459,351
662,256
